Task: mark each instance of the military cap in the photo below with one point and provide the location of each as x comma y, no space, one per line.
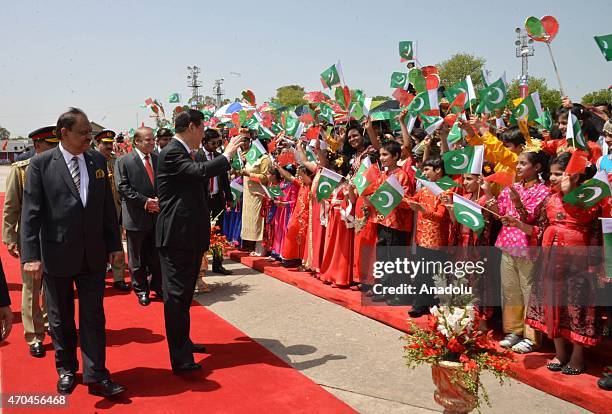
164,132
45,133
105,136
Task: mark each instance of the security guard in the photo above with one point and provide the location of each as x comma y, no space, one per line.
104,144
33,311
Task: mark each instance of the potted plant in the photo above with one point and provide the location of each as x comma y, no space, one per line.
457,352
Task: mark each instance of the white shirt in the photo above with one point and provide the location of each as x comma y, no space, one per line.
215,186
142,156
84,175
184,145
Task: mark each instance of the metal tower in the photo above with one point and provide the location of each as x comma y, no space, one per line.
195,85
523,50
218,92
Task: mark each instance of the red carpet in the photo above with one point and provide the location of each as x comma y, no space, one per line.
581,390
239,375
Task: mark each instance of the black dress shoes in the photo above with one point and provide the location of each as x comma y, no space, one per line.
37,350
222,270
605,383
66,384
186,368
122,286
159,294
418,311
198,349
105,388
143,299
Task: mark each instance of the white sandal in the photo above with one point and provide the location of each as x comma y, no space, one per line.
524,347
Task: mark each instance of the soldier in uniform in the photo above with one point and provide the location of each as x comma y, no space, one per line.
33,312
104,144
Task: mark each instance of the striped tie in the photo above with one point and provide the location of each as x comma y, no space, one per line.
75,173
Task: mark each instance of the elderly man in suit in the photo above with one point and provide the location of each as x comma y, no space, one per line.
136,182
69,231
219,191
183,228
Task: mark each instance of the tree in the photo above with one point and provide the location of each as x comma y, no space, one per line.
380,98
595,97
550,98
4,133
290,95
459,66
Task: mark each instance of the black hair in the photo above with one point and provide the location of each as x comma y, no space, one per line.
347,150
419,133
393,148
68,119
563,159
513,135
435,163
539,158
183,119
277,174
211,133
305,170
589,121
164,132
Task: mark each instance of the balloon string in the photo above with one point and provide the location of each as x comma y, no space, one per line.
555,66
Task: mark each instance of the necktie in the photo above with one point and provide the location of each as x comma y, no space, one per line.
149,169
75,173
212,180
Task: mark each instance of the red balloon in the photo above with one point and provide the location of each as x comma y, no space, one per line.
432,82
551,26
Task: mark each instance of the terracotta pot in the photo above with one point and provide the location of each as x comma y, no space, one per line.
454,397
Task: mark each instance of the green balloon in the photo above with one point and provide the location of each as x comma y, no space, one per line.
420,85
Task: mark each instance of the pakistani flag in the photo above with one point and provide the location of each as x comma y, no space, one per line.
431,123
455,134
406,50
326,113
605,44
237,190
274,191
330,77
443,184
251,123
255,152
590,192
529,107
574,134
275,128
356,111
468,213
485,77
466,86
424,101
290,124
399,80
237,160
606,227
360,181
174,98
493,97
394,123
310,155
387,196
545,120
328,181
466,160
264,132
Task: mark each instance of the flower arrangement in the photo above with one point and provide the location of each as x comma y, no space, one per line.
452,335
218,242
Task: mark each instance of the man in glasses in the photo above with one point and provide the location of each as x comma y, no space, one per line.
219,192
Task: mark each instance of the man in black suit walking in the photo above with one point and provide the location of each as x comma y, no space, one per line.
139,208
183,228
219,191
69,231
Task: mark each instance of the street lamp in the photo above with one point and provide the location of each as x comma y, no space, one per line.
523,51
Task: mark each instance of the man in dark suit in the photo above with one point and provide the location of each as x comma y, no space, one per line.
6,314
183,228
69,231
219,191
139,205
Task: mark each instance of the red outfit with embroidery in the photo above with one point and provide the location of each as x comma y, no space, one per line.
294,245
433,225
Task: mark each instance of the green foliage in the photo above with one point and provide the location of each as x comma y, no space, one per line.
460,65
380,98
550,98
4,133
595,97
290,95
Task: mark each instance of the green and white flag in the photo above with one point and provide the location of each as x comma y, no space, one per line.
237,190
606,227
399,80
467,160
360,181
424,101
530,107
264,132
468,213
330,77
255,152
494,96
326,113
440,186
545,120
466,86
406,50
605,45
356,111
291,124
310,155
237,160
590,192
431,123
174,98
273,191
387,196
455,134
485,77
328,181
574,135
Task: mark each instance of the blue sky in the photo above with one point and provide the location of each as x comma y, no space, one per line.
107,57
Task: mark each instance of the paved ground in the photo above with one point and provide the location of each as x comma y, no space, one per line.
355,358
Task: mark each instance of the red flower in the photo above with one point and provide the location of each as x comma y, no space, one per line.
455,346
432,322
